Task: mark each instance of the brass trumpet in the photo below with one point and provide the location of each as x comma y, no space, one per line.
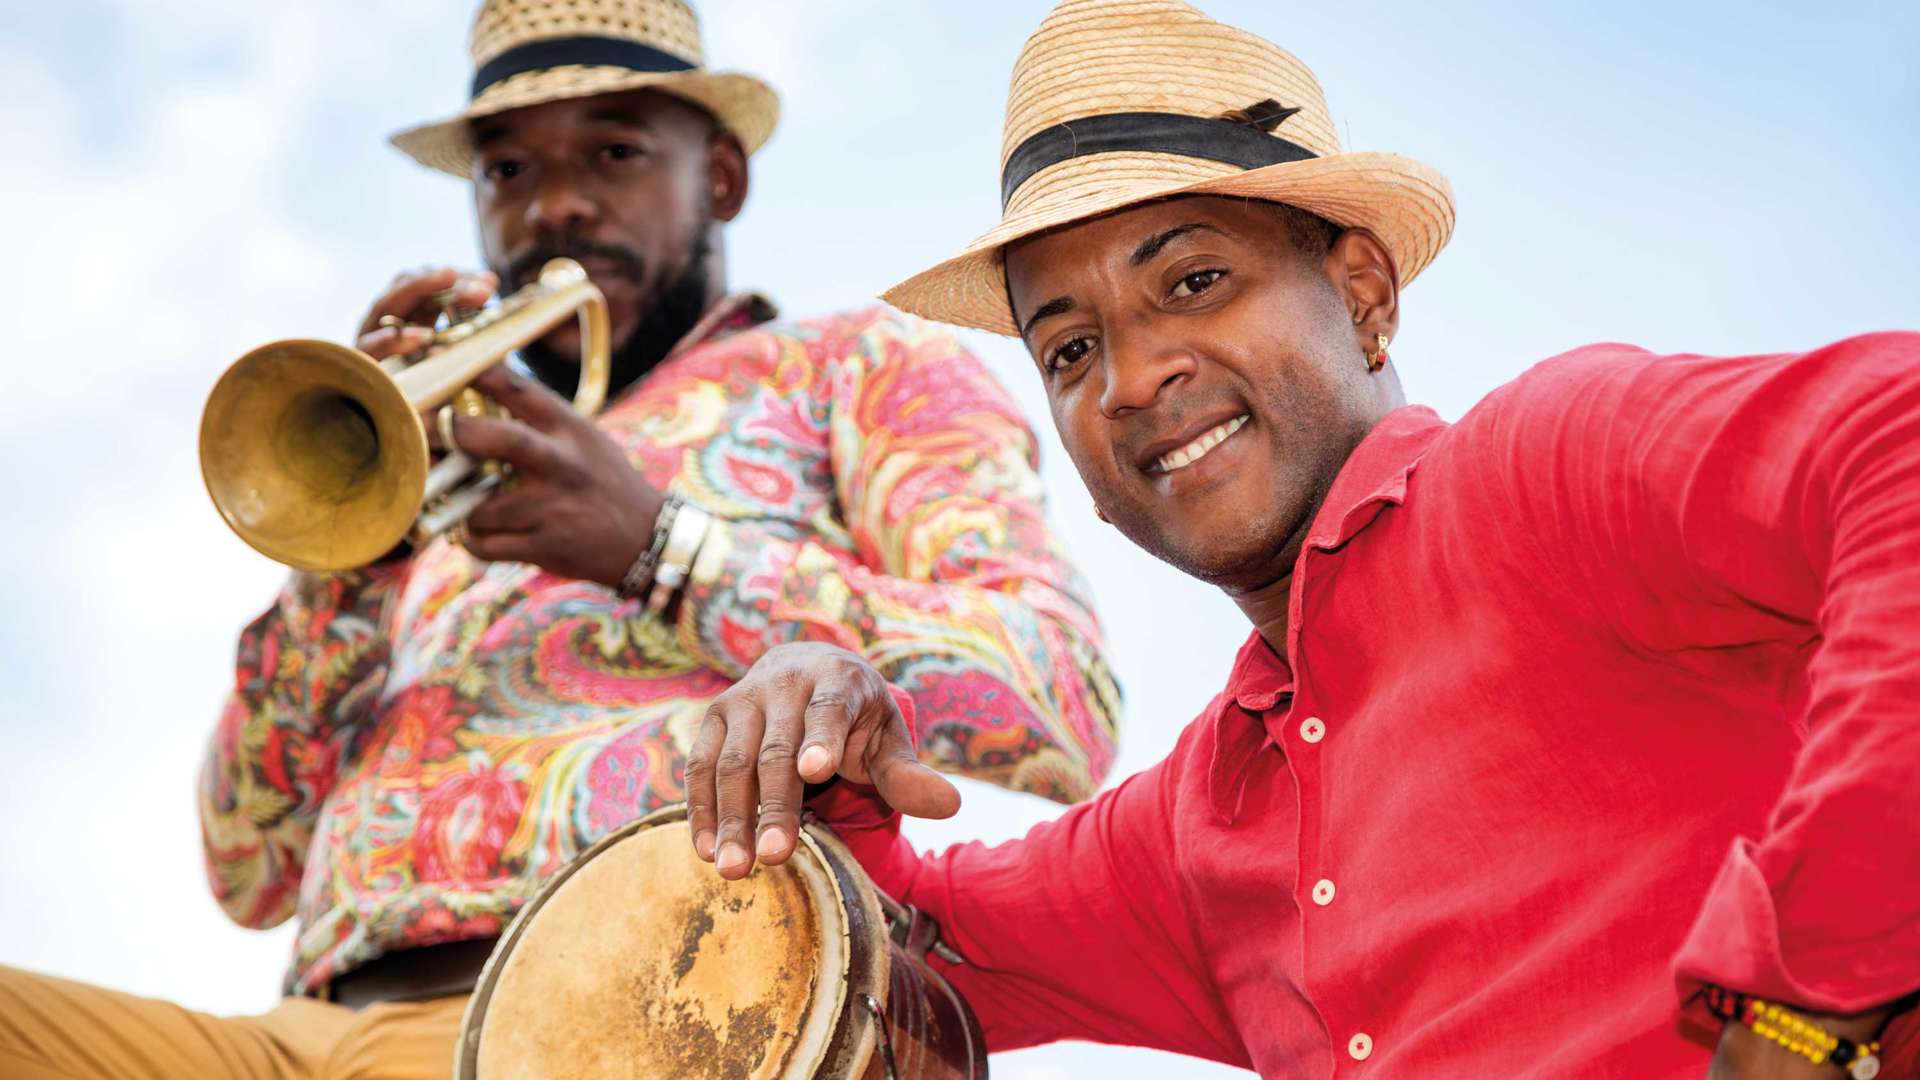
316,455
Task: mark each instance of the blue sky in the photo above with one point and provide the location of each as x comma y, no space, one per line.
189,180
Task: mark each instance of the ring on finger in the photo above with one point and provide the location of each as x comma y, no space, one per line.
443,422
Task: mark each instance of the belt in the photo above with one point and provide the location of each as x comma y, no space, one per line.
430,971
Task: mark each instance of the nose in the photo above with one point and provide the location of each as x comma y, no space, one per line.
1140,367
560,206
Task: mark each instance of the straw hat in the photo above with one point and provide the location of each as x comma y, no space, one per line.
1116,102
526,52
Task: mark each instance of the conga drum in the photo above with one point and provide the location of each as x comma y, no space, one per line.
637,960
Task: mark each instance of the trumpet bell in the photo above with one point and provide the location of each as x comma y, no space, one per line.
313,454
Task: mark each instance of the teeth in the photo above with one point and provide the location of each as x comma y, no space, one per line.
1198,448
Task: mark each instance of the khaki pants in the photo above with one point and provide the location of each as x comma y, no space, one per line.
53,1028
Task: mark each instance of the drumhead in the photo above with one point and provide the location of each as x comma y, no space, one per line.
639,960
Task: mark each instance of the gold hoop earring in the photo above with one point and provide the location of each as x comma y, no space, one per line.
1377,359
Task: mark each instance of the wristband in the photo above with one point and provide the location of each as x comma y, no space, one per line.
1795,1033
638,576
676,559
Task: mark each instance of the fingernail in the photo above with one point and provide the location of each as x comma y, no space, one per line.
771,843
732,857
813,760
703,844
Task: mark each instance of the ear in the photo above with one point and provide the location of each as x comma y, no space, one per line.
727,175
1362,271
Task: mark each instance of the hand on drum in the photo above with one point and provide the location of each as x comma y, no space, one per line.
576,506
803,713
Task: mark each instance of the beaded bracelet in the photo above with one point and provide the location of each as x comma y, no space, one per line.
1795,1033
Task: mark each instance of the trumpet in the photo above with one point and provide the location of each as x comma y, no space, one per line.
316,455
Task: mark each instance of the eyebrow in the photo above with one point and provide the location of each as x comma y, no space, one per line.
1059,305
1151,245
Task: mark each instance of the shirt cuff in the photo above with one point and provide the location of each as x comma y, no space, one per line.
1736,942
907,712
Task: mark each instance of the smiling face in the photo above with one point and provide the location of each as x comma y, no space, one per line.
1206,366
632,185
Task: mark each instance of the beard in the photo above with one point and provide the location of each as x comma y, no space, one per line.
668,314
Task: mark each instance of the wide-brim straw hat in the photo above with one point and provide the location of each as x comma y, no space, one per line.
1117,102
528,52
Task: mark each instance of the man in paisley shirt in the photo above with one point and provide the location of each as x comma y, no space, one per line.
412,748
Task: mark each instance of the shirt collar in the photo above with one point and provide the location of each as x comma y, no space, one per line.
728,316
731,314
1259,676
1259,680
1374,476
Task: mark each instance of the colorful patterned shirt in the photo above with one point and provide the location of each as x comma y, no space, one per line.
411,748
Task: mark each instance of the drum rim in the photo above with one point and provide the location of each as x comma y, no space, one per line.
866,960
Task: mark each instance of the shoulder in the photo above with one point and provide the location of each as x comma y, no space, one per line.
1626,371
879,350
874,333
1613,386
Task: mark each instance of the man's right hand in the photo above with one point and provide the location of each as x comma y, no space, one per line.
411,299
803,713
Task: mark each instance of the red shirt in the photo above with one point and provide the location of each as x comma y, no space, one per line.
1613,684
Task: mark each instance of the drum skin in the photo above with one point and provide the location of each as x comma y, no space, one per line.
638,960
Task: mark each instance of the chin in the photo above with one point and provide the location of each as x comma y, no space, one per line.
1236,555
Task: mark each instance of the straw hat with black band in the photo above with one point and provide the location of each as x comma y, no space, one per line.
1118,102
528,52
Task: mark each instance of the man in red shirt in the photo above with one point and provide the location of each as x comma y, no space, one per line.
1609,690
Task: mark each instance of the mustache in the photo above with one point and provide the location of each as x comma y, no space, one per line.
626,262
1151,425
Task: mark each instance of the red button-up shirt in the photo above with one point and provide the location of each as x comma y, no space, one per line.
1612,685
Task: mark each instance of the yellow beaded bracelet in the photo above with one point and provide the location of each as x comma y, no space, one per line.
1795,1033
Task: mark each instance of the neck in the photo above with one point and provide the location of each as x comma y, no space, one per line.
1266,608
1265,604
713,258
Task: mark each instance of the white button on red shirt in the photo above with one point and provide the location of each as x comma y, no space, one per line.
1360,1046
1312,730
1323,892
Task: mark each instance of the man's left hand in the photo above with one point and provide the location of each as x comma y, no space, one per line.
576,506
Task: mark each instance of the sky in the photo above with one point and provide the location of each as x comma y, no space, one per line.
186,181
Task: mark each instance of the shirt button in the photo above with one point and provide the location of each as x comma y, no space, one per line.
1323,892
1360,1046
1312,730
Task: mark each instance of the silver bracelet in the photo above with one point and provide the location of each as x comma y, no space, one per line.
634,583
676,559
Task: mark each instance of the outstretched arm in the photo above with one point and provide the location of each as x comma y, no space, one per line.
1081,930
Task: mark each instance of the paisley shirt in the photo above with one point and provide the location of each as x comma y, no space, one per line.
411,748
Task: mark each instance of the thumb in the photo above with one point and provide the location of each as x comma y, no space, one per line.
906,784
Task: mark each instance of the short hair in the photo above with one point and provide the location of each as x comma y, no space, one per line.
1309,232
